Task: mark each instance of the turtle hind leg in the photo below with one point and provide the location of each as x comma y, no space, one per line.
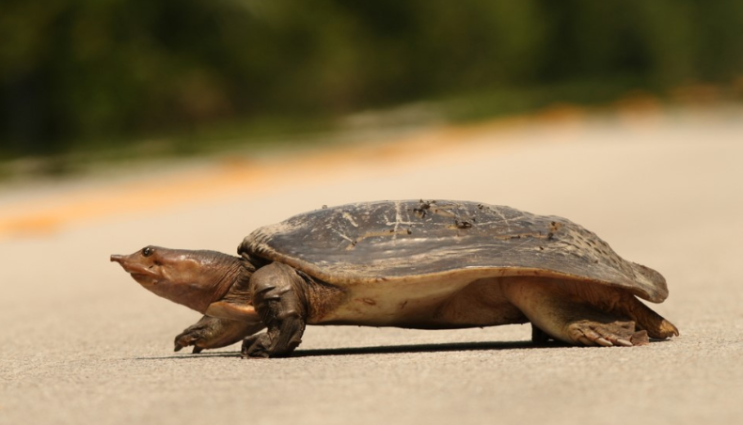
568,318
621,303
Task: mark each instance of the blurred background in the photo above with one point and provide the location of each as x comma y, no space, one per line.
84,80
189,124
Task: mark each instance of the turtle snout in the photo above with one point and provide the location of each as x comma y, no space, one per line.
117,258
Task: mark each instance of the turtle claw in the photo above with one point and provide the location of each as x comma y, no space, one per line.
195,335
183,340
256,346
196,348
595,338
585,341
615,334
604,342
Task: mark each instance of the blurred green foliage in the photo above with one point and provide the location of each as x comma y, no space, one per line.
76,71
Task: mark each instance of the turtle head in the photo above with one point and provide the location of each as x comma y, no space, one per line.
191,278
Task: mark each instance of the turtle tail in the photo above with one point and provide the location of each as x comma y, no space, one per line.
646,319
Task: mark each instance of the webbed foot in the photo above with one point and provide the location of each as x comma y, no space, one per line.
617,333
190,336
212,332
256,346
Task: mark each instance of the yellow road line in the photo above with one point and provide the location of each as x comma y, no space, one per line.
248,177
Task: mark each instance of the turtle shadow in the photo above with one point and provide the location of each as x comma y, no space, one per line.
416,348
382,349
442,347
394,349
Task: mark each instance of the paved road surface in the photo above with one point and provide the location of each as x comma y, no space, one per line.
83,344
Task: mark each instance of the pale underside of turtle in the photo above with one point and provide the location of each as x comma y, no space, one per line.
434,265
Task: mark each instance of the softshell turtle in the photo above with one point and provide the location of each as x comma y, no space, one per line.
412,264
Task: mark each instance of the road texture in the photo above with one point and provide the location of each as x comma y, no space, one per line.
82,343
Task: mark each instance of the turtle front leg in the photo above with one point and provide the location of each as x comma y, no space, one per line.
213,332
278,299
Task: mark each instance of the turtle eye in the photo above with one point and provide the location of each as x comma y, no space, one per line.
147,251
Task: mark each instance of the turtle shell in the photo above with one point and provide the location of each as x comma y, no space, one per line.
386,241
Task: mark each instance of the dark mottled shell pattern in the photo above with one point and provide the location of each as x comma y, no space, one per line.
365,243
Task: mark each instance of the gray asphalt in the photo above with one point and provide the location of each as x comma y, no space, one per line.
83,343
